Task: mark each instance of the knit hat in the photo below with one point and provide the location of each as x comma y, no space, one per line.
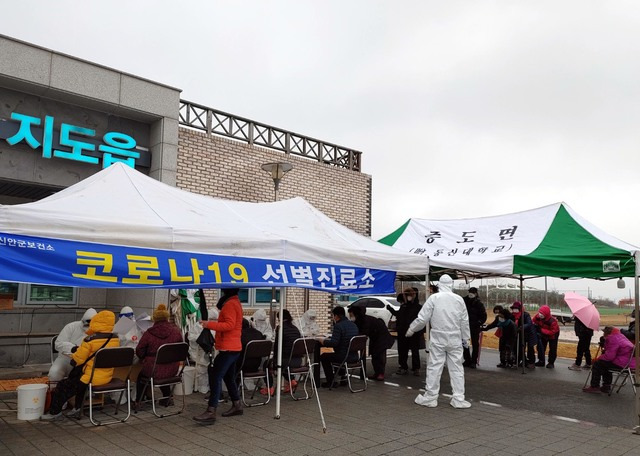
161,313
516,305
473,290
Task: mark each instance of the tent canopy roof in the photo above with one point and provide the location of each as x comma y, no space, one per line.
548,241
122,206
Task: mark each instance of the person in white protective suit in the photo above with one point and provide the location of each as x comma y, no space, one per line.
308,324
261,323
67,342
131,338
447,314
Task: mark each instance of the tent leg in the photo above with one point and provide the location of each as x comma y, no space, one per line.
524,341
636,380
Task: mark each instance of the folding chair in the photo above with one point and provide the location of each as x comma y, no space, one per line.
357,345
109,358
167,354
626,372
255,352
302,348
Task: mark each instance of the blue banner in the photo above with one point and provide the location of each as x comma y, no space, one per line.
83,264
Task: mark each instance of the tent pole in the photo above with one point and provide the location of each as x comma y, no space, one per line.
524,342
279,353
637,330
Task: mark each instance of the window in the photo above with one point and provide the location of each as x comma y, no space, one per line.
32,294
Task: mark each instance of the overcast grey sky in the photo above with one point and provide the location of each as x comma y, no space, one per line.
461,108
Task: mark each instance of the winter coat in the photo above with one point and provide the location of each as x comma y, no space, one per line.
529,328
100,329
630,333
447,314
289,334
547,326
377,332
618,349
249,334
581,329
343,330
508,331
162,332
228,328
405,315
477,313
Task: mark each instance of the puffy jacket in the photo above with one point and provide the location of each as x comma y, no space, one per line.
548,326
405,315
377,332
618,349
100,329
289,335
343,331
162,332
477,312
447,314
228,328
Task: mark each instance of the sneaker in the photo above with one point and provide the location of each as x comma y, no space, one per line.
540,364
380,378
75,414
550,366
591,389
458,404
402,371
264,391
50,417
501,365
575,367
586,367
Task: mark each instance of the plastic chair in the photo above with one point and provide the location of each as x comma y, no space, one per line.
626,372
168,354
302,348
357,345
109,358
256,350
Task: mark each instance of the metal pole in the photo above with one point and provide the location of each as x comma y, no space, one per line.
546,303
637,329
279,356
524,341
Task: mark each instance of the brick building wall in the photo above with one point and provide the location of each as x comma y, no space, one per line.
225,168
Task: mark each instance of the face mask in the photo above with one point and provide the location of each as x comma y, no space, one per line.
472,295
500,318
541,316
352,318
515,311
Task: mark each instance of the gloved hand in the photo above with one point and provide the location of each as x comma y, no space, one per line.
409,333
465,344
74,348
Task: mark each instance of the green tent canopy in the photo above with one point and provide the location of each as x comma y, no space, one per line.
549,241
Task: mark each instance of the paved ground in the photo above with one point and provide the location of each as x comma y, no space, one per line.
382,420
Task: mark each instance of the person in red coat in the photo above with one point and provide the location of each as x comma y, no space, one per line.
548,332
162,332
228,343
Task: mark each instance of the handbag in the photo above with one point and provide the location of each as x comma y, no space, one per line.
206,341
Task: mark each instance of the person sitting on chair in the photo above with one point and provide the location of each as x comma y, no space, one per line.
615,355
162,332
289,335
343,331
100,336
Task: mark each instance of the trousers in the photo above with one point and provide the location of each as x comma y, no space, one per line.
224,368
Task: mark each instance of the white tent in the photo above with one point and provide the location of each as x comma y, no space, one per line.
120,228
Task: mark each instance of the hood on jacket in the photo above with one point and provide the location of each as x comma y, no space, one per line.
87,316
259,315
445,284
161,329
127,311
546,311
102,323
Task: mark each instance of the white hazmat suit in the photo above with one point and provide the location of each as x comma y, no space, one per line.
261,323
308,324
449,320
71,336
131,338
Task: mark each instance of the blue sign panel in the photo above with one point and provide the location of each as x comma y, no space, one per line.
84,264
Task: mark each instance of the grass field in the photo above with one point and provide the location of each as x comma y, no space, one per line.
565,349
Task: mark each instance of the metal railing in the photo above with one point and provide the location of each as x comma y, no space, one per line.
215,122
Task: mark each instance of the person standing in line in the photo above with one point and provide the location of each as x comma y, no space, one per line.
522,318
548,333
584,345
477,318
228,330
449,320
379,339
409,308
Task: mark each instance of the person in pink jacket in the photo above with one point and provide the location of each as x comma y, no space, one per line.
615,355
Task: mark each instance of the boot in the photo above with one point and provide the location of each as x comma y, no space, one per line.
236,409
207,417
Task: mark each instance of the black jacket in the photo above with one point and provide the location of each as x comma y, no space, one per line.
581,330
477,312
342,333
405,316
377,332
289,335
249,334
631,332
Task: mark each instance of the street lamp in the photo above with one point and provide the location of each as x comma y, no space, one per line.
277,170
